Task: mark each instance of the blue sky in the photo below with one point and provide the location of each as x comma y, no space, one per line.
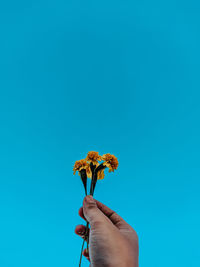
119,77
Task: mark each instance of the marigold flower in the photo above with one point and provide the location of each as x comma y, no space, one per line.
100,175
93,157
82,165
110,161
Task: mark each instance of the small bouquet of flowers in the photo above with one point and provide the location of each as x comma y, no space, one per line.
93,167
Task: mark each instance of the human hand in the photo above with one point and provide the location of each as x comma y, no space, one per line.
113,242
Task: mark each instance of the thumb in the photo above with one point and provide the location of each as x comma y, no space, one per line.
91,212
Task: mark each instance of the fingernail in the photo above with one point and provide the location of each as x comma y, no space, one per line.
81,232
89,199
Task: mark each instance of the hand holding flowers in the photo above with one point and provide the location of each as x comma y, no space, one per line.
93,167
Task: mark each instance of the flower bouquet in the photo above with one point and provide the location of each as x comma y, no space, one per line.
93,167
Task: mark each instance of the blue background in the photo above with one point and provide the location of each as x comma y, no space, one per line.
111,76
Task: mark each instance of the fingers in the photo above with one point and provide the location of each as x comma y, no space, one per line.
80,230
92,213
86,254
112,215
80,212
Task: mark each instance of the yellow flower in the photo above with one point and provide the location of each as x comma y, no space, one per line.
110,161
82,165
100,175
93,157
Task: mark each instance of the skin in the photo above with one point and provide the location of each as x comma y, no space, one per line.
113,242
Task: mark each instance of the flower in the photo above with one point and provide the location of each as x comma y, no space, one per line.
110,161
82,165
93,157
100,175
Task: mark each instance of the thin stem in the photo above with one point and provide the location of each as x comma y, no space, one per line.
92,167
92,187
83,175
86,238
85,186
99,168
87,235
81,253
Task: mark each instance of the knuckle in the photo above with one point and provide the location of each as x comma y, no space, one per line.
91,205
96,224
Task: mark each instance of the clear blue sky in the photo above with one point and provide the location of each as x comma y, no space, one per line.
112,76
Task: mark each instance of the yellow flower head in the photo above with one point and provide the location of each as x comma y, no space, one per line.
93,157
82,165
110,161
100,175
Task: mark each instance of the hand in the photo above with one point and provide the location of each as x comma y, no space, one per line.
113,242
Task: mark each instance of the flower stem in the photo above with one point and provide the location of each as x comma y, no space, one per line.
84,179
81,253
95,176
85,237
92,187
